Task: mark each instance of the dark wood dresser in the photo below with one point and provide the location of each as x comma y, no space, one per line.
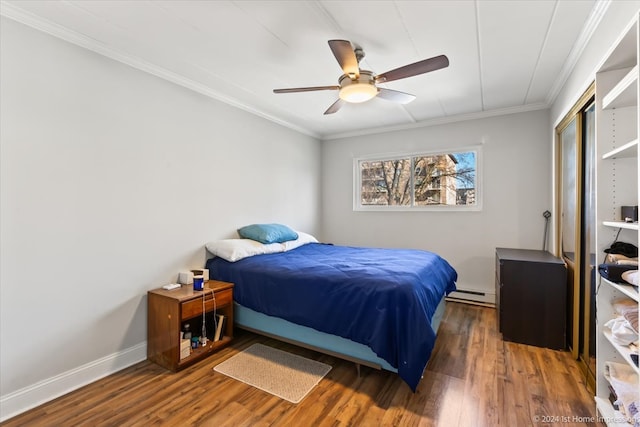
531,297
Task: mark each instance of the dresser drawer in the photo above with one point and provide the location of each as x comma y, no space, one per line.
193,307
223,298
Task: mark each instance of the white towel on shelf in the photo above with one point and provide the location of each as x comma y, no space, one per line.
620,259
622,332
622,305
624,381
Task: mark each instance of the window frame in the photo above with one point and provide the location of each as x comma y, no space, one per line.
357,181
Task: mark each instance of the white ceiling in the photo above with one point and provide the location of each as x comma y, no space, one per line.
504,55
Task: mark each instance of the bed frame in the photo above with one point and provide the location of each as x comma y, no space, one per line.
313,339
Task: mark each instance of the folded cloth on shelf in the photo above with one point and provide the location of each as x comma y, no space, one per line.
628,309
623,305
624,381
614,272
622,333
620,259
632,317
631,277
626,249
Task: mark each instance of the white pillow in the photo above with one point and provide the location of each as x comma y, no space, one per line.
303,239
235,249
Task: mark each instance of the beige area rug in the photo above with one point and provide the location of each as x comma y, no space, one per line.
288,376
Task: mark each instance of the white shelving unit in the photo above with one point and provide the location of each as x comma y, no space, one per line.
630,149
621,224
617,119
623,94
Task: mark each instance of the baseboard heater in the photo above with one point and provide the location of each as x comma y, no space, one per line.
468,296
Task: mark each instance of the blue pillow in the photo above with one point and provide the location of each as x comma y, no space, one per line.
268,233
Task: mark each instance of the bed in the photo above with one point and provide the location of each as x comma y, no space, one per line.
375,306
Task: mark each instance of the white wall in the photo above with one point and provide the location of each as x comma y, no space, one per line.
112,181
516,191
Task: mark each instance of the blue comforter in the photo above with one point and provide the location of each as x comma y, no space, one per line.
383,298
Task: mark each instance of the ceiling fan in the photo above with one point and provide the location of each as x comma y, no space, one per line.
357,85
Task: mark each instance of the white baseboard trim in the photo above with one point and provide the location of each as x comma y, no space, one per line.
34,395
473,295
471,302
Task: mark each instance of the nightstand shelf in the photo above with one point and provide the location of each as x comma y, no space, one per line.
202,352
168,311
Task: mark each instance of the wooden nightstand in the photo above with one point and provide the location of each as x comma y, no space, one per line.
168,311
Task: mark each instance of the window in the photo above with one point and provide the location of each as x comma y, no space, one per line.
423,181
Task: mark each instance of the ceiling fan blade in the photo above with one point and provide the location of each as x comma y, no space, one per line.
305,89
420,67
346,57
334,107
395,95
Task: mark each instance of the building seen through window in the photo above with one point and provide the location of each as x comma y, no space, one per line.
443,179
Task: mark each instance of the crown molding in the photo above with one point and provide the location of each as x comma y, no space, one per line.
15,13
597,13
441,121
10,11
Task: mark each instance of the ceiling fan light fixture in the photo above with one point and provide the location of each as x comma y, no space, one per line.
359,86
358,90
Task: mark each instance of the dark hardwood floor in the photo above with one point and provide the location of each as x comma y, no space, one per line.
473,379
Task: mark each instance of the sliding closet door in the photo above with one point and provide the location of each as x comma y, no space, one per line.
569,189
590,264
575,142
570,222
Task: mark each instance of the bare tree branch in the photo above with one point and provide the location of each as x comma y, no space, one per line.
437,179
